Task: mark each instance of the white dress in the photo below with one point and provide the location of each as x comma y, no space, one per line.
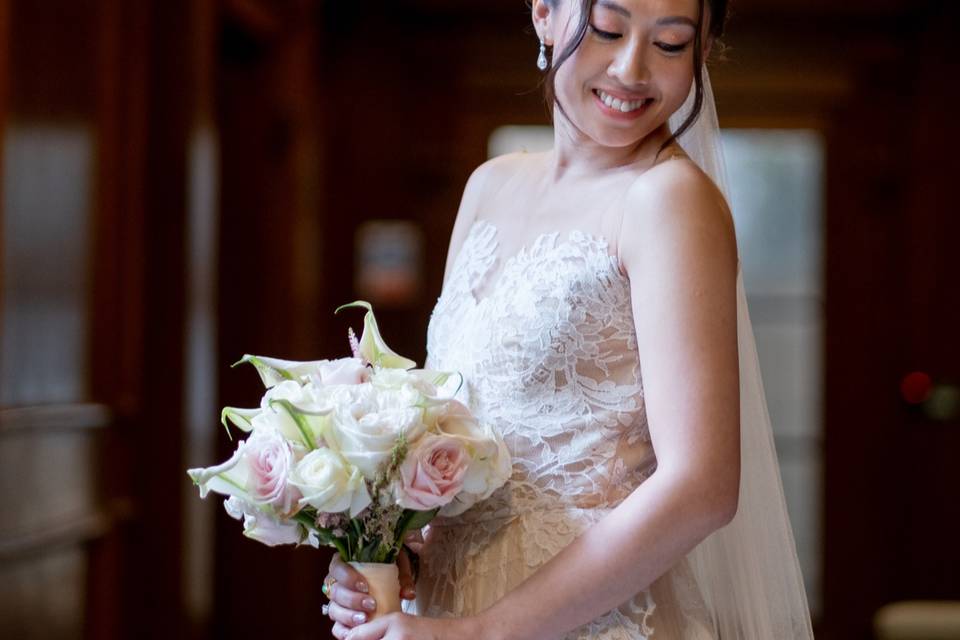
549,357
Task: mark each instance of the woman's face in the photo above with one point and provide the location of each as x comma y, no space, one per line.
633,69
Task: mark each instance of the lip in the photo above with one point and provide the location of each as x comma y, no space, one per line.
616,113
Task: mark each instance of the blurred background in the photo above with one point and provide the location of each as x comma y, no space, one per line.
186,181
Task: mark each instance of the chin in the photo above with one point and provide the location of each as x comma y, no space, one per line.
610,137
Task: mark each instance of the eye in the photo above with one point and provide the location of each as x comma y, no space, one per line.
672,48
604,35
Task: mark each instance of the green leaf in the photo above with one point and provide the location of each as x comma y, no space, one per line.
420,519
411,520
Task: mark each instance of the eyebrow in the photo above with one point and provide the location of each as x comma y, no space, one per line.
616,8
677,20
613,6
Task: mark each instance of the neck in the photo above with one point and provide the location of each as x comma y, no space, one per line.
575,155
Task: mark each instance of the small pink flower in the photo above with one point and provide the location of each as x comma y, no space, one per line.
432,473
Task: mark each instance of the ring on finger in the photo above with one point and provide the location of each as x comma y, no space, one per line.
327,587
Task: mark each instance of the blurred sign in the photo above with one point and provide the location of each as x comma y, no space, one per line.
389,258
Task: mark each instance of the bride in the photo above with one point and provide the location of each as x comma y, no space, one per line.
593,301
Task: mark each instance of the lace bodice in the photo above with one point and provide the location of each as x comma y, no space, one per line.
546,343
549,357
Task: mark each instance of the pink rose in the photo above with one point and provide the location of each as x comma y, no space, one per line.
432,473
269,461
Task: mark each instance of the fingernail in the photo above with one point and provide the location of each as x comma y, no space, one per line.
369,604
359,618
409,593
362,587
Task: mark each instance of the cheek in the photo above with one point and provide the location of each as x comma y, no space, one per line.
674,81
572,77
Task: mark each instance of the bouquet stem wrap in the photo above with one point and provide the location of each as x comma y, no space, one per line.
384,581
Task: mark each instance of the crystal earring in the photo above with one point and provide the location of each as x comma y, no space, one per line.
542,58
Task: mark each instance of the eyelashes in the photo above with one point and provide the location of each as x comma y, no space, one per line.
609,36
604,35
671,48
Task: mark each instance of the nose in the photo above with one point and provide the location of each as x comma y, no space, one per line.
629,65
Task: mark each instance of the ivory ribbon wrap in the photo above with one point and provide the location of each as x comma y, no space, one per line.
384,582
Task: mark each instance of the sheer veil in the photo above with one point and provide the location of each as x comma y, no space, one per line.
748,571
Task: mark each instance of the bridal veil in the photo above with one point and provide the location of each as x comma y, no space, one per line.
748,571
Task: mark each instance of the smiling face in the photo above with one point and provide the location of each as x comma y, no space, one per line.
633,69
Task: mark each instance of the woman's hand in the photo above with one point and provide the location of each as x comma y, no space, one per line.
350,603
403,626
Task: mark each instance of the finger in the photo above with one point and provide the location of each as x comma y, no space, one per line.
347,617
345,574
352,599
339,631
374,630
414,540
408,590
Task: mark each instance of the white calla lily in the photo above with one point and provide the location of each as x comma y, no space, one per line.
240,418
372,347
266,529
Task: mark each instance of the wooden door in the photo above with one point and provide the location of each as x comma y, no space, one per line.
61,519
103,100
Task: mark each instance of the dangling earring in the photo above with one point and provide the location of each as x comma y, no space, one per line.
542,58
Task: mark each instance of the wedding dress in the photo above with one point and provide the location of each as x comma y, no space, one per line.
549,357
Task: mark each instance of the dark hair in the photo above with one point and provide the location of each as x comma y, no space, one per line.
718,18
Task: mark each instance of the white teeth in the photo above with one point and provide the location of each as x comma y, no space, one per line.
616,103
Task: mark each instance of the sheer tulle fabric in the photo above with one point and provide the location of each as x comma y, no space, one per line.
748,571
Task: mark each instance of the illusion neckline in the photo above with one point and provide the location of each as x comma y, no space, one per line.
535,246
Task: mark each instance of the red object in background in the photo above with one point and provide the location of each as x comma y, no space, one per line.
916,387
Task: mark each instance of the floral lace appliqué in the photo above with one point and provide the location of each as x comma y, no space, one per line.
548,350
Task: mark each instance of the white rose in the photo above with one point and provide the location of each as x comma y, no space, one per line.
398,379
328,483
432,386
366,423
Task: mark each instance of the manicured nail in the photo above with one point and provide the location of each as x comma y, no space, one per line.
409,593
359,618
362,587
369,604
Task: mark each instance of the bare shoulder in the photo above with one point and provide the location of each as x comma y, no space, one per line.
486,179
675,206
483,181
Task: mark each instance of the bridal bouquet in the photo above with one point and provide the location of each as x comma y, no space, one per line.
354,453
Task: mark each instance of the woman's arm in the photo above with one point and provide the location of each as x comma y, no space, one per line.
679,250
